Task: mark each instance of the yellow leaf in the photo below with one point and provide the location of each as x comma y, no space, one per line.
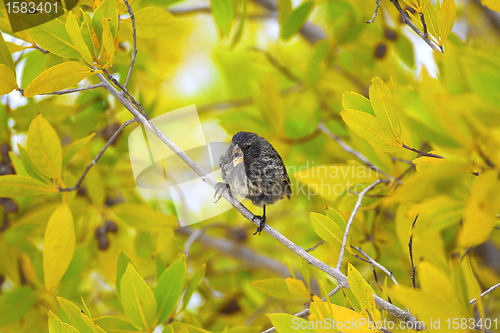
492,4
371,129
297,288
5,56
481,210
446,18
52,36
344,319
380,98
326,228
7,80
44,148
59,77
108,41
273,287
361,290
430,16
153,21
75,34
427,161
58,245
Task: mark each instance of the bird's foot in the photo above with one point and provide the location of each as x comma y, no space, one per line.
262,224
219,189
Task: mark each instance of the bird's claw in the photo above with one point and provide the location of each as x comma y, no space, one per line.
262,224
219,189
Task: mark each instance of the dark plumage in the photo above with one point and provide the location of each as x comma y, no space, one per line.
251,168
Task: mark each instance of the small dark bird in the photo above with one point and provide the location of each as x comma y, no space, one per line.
251,168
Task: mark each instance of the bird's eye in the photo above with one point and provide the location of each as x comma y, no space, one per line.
238,154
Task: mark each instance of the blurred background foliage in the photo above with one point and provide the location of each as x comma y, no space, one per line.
254,66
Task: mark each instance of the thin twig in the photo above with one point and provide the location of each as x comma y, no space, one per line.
348,149
489,290
421,153
69,91
374,263
424,25
351,219
36,47
315,246
414,27
410,246
333,272
304,313
125,91
134,53
376,12
94,161
276,64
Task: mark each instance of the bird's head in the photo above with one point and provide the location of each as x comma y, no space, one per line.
246,145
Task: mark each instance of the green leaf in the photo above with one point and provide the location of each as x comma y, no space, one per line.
326,228
7,80
137,299
193,284
29,167
296,20
15,303
5,56
121,267
169,288
430,16
371,129
55,324
153,21
59,77
70,150
380,98
446,18
223,12
107,10
361,290
356,102
115,325
13,186
285,7
287,323
58,245
73,30
75,316
141,216
44,148
52,36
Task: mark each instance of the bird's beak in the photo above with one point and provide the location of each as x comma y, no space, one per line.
237,155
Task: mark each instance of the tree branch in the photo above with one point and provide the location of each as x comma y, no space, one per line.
421,153
94,161
69,91
376,12
134,53
414,27
351,219
473,301
348,149
374,263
